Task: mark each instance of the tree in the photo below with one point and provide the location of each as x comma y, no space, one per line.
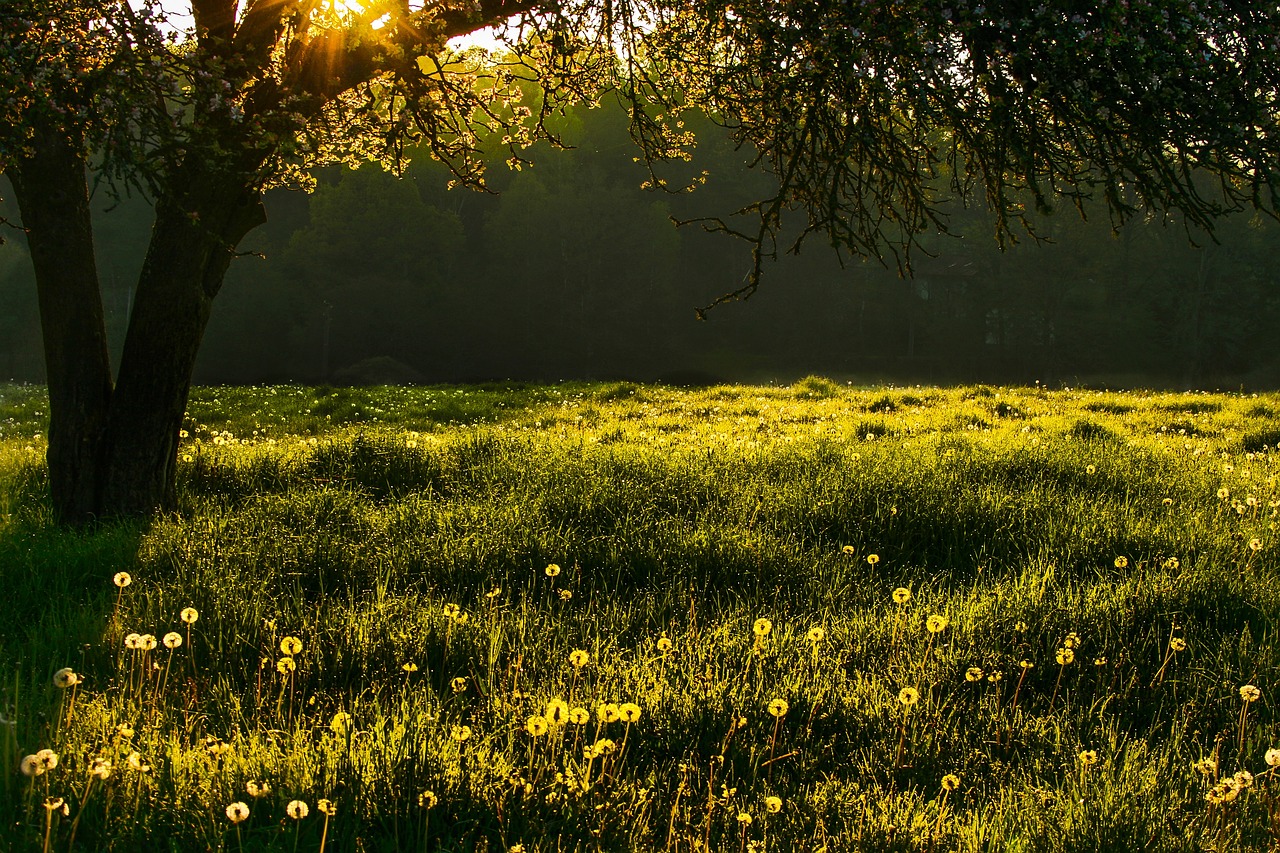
857,109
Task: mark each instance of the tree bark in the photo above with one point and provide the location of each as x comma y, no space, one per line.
52,191
192,243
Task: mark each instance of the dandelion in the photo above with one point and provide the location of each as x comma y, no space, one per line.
908,696
189,615
556,712
579,658
608,713
773,805
1072,640
901,595
1088,757
131,640
872,559
1255,544
552,570
171,640
65,677
237,812
451,612
629,712
326,807
122,579
1091,469
536,725
147,642
340,724
493,593
31,766
849,550
664,645
816,634
1243,779
1273,757
137,763
1224,493
778,707
461,733
286,665
565,594
409,666
296,809
950,782
257,789
124,730
936,624
1122,562
762,627
974,673
290,646
1100,661
1020,627
427,800
1249,693
579,716
1065,656
47,759
458,684
745,819
100,768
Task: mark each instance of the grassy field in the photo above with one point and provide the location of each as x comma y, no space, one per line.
619,617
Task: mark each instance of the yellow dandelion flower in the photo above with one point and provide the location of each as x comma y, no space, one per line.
257,789
607,713
290,646
1072,640
552,570
565,594
950,782
1255,544
340,724
579,658
762,627
427,800
974,673
579,716
629,712
1249,693
1091,469
458,684
189,615
237,812
296,809
1025,664
409,666
1122,562
1065,656
286,665
744,818
556,712
122,579
936,624
778,707
326,807
1089,757
995,677
908,696
664,645
1177,644
461,733
451,611
1224,493
872,559
901,595
849,549
536,725
1100,661
773,805
816,634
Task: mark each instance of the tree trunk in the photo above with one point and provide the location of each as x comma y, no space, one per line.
192,244
51,188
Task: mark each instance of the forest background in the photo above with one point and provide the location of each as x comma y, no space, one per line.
573,269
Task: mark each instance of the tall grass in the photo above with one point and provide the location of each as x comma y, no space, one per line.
619,617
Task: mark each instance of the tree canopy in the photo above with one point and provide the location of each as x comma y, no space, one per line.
862,112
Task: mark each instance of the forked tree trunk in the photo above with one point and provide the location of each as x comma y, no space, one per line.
192,244
51,188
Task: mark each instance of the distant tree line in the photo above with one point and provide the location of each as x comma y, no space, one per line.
572,270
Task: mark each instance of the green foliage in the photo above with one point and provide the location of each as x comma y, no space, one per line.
440,553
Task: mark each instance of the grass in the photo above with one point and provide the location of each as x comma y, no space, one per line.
718,659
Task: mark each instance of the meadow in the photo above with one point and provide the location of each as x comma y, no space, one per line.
614,617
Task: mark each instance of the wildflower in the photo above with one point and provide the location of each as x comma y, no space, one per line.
1020,627
579,716
326,807
773,805
492,594
427,800
1072,640
607,713
122,579
1091,469
995,677
131,640
1122,562
1025,664
950,782
744,819
1243,778
1204,766
1255,544
816,634
257,789
189,615
1088,757
172,640
451,611
973,673
458,685
101,767
461,733
54,804
1177,644
137,763
340,723
565,594
579,658
936,624
1167,501
290,646
47,758
536,726
762,627
296,809
552,570
1100,661
31,766
410,666
849,549
286,665
65,677
872,559
629,712
556,712
664,645
237,812
1224,493
1065,656
1249,693
1273,757
901,595
779,707
908,696
124,730
604,746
